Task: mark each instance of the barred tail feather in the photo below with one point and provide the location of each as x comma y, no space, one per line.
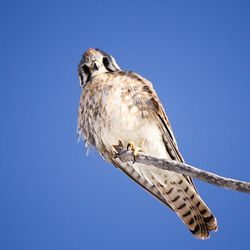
188,205
176,192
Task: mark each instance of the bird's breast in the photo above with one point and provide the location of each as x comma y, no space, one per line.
115,109
122,118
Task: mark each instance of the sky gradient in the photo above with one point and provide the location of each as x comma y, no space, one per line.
52,196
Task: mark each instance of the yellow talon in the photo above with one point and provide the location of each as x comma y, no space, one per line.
135,149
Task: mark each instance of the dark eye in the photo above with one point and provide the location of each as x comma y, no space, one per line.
105,61
86,69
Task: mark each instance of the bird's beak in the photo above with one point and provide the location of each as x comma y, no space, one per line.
92,54
94,66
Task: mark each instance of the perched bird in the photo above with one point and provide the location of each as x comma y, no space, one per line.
119,106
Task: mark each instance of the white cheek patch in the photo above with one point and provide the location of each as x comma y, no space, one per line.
114,62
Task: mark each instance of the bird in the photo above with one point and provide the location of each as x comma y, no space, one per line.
118,106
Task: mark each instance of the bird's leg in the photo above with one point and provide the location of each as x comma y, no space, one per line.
116,149
134,148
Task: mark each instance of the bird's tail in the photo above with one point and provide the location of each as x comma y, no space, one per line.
181,196
175,191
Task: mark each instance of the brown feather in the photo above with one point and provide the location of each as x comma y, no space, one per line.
103,98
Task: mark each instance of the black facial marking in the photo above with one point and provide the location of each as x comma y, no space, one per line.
87,72
95,67
86,69
105,61
108,61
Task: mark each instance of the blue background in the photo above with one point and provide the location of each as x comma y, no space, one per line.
54,197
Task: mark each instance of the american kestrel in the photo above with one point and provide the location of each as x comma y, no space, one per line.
122,106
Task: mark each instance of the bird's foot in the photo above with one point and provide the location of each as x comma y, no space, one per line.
119,149
116,149
134,148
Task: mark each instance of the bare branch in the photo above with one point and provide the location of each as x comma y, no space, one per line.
182,168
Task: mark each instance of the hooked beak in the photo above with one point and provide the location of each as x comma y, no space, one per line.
91,54
94,66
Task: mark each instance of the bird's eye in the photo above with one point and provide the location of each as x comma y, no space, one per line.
105,61
86,69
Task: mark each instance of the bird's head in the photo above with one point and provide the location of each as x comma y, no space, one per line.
95,62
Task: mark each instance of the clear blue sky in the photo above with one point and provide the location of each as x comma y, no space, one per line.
196,53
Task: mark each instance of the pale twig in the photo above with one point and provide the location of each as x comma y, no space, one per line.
127,155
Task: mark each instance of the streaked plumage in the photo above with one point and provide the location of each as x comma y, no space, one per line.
121,105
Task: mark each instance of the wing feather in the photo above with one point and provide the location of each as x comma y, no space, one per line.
162,119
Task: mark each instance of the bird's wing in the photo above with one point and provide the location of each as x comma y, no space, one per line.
178,193
158,112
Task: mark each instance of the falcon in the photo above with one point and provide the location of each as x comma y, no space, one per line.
122,107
